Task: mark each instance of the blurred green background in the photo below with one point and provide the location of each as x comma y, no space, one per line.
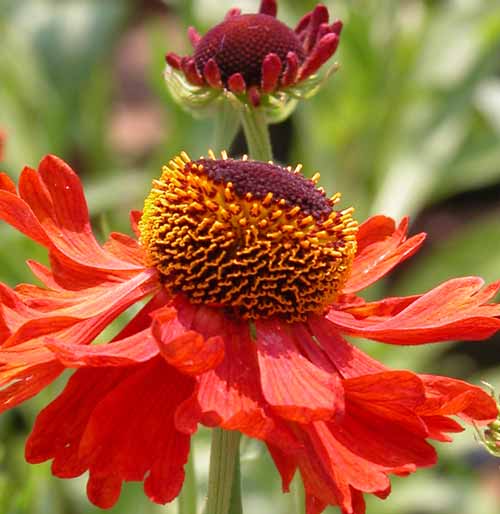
409,125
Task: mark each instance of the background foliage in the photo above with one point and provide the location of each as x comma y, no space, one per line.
409,125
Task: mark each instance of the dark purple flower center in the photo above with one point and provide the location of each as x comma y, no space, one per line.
240,44
260,178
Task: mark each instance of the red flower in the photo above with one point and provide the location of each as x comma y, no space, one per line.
220,254
256,54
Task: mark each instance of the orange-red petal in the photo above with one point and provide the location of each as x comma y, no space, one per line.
296,388
381,247
118,424
457,309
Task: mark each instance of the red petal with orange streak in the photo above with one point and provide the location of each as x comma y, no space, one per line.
457,309
381,247
137,348
296,388
118,424
229,396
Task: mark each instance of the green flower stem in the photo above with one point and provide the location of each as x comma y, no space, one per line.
256,132
298,495
227,123
187,498
224,491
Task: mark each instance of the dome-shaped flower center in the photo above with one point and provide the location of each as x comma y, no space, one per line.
252,237
240,44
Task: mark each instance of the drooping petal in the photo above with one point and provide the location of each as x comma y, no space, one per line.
448,396
229,396
295,387
26,364
22,382
348,360
457,309
118,424
285,464
394,395
137,348
381,247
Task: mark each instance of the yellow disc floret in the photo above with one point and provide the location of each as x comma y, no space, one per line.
252,237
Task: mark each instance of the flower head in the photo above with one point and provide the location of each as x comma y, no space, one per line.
252,237
256,58
201,351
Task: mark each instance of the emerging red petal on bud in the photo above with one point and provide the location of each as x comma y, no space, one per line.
271,69
320,54
269,7
212,74
236,83
265,52
192,74
194,36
